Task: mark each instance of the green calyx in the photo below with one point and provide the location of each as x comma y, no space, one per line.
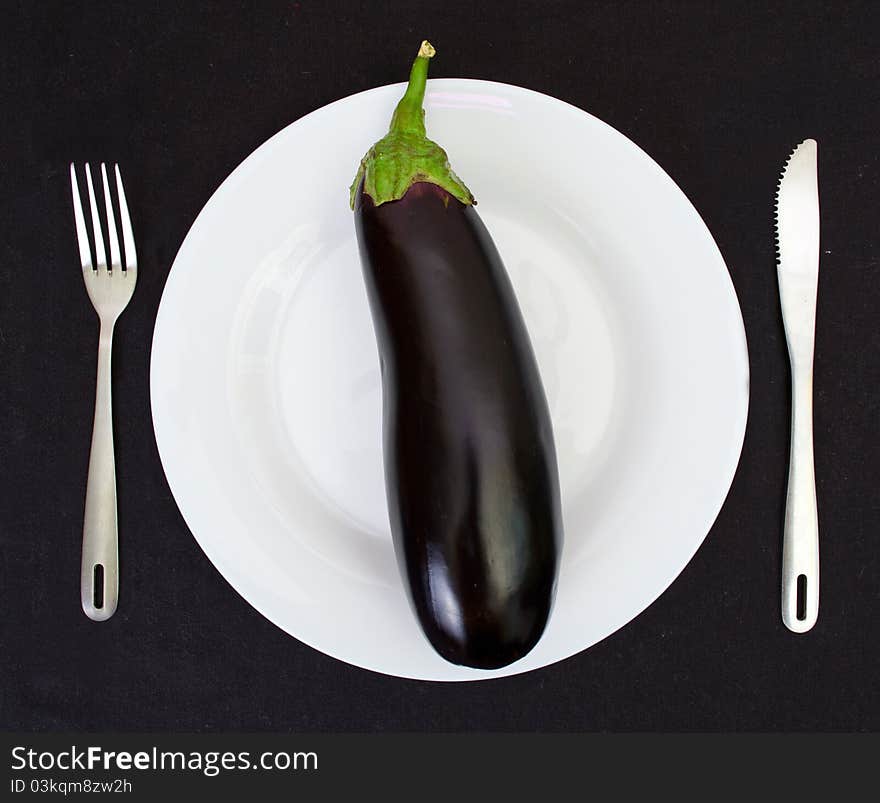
405,156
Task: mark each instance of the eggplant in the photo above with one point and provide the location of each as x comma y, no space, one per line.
470,462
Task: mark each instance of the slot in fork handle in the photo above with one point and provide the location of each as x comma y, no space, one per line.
100,534
800,543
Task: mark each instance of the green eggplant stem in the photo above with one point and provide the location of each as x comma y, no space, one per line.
405,155
409,116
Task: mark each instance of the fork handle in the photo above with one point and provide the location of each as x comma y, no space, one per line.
800,541
99,577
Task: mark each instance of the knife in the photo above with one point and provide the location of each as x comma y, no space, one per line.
797,230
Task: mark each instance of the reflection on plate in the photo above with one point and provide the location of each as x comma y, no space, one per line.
265,380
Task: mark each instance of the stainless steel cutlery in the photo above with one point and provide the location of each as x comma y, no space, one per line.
110,284
797,230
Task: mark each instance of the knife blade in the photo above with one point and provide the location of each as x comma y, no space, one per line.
797,230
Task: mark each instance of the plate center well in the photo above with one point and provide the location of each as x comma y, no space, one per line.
312,405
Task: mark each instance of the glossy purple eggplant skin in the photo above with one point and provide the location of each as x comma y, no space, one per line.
470,463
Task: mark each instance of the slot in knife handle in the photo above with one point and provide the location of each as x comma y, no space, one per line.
800,544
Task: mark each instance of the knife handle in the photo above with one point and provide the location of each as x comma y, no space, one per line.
800,541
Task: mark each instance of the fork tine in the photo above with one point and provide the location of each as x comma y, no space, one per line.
125,220
115,259
82,234
100,254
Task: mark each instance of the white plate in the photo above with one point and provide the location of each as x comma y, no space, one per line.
265,383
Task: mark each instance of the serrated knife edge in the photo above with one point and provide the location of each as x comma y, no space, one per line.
797,242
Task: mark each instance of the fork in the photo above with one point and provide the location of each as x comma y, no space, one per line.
110,287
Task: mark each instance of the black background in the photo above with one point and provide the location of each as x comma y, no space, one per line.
717,93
